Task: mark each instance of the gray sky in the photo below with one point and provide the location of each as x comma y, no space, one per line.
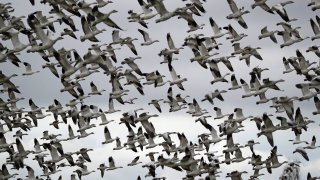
44,87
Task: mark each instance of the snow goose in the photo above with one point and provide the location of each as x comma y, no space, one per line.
234,83
129,42
287,67
5,173
112,165
19,134
306,93
147,12
301,151
217,77
312,144
17,45
135,17
216,29
135,161
279,8
234,36
151,144
118,144
219,114
28,70
287,104
47,43
188,16
44,20
83,122
239,115
162,11
116,39
315,4
237,13
267,129
198,111
117,90
111,52
134,66
262,4
3,142
84,6
174,104
147,40
231,146
201,54
316,29
155,103
102,167
214,135
102,3
297,140
309,177
250,144
211,43
239,157
83,171
84,72
317,105
94,89
105,18
314,49
52,68
4,27
176,79
265,33
107,136
287,40
89,31
68,32
236,174
172,47
257,70
68,69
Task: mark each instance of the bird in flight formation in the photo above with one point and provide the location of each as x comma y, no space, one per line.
126,81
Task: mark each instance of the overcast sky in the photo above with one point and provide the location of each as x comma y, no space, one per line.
43,87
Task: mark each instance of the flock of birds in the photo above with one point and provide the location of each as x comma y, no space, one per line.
197,160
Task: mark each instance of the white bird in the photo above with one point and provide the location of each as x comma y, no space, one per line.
237,13
306,93
176,79
315,28
94,89
234,83
107,136
301,151
28,70
279,8
118,144
297,140
111,107
262,4
312,144
216,29
287,67
112,165
146,37
135,161
219,114
89,31
265,33
315,4
17,45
